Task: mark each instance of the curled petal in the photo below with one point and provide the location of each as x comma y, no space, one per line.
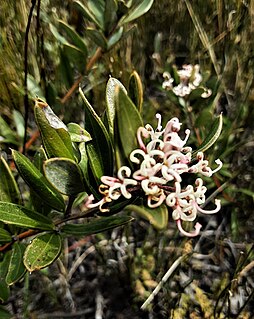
157,201
142,132
108,180
219,163
214,211
122,170
114,191
171,200
151,146
100,203
189,234
158,116
169,174
149,189
133,156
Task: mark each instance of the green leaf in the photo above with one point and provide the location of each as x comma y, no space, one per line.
9,191
211,137
6,133
110,15
4,313
78,134
158,217
54,133
95,226
88,14
136,90
65,175
128,121
115,37
99,150
97,8
43,251
111,102
75,39
75,56
16,268
5,236
23,217
37,182
136,11
97,37
4,288
19,123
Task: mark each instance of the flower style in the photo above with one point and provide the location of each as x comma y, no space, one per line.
190,79
161,160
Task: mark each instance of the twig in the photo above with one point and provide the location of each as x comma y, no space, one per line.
163,280
26,102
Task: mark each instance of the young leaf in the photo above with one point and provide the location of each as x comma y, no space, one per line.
43,251
74,37
65,175
115,37
211,137
5,236
37,182
18,215
99,150
95,226
54,133
110,102
78,134
9,191
136,90
136,11
128,121
158,217
16,268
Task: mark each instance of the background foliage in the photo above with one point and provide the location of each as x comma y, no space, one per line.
97,271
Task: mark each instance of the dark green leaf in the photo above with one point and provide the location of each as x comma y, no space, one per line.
5,236
97,37
136,11
75,56
54,133
4,314
4,291
16,268
110,15
4,288
65,175
37,182
75,39
6,133
136,90
23,217
96,226
78,134
9,191
99,150
97,8
43,251
211,137
158,217
128,121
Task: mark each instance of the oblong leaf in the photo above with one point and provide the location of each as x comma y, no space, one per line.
4,291
37,182
115,37
136,90
99,150
9,191
4,288
97,37
18,215
136,11
88,14
128,121
74,37
96,226
111,102
16,269
55,137
211,137
158,217
42,251
65,175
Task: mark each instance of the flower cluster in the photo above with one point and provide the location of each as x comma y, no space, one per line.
161,159
190,79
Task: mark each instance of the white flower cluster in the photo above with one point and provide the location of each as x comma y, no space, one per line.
161,162
190,79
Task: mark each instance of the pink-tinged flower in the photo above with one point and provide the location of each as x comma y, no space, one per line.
160,162
187,234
